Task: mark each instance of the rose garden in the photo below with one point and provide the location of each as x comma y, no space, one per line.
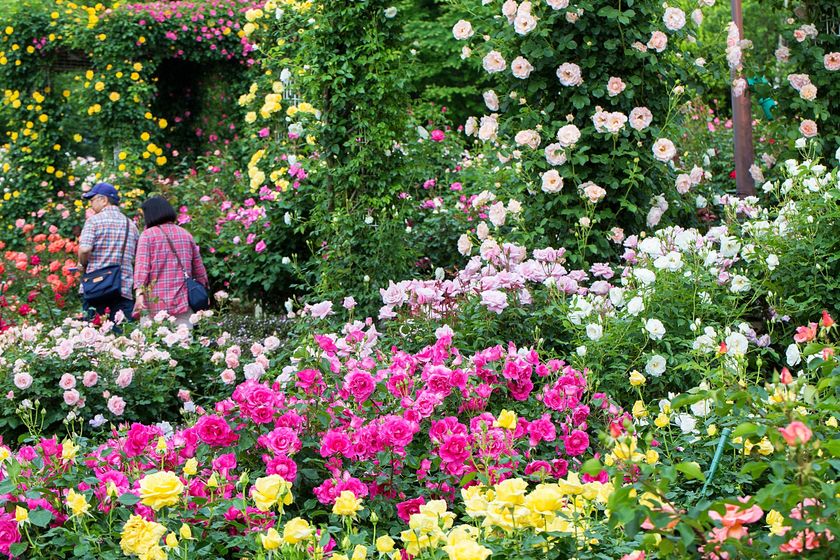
489,279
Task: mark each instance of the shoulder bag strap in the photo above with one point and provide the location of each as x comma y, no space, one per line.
125,239
172,246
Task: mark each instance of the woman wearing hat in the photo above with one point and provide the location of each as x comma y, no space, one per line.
106,248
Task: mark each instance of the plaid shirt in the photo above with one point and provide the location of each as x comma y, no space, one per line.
157,270
103,234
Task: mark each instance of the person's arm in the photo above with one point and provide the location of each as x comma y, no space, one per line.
198,270
85,245
142,271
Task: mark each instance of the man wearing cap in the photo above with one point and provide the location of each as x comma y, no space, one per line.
109,238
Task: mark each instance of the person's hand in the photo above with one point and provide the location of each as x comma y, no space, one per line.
139,304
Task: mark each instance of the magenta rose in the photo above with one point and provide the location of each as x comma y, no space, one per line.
576,443
215,431
282,466
360,384
407,508
281,441
9,533
137,439
334,442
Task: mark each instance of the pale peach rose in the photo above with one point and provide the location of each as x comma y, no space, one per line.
615,122
528,138
798,81
683,183
615,86
674,19
471,127
739,86
640,118
494,62
782,54
521,68
491,100
524,23
808,128
552,182
572,17
488,128
555,154
558,4
697,17
509,9
658,41
463,30
568,135
832,61
592,192
664,150
569,74
639,46
808,92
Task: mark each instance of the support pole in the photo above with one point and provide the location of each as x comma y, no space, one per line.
742,121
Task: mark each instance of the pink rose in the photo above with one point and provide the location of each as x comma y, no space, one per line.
334,442
832,61
438,135
228,376
283,466
116,405
360,384
494,300
796,433
68,381
71,397
576,443
658,41
124,378
90,378
409,507
23,380
215,431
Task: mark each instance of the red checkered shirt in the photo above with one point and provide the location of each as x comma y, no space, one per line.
157,270
103,234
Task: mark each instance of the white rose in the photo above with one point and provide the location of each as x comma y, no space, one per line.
558,4
640,118
664,150
488,128
656,365
497,214
772,262
594,331
792,355
739,284
528,138
645,276
555,154
635,306
655,329
736,344
569,74
482,231
524,23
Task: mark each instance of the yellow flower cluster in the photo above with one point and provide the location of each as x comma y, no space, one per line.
254,173
142,538
272,490
626,450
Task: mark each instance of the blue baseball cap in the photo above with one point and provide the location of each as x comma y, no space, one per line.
105,189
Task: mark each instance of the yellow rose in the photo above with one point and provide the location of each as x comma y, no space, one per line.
651,457
297,530
662,420
359,552
637,379
141,537
77,503
68,451
545,498
270,490
21,514
639,409
171,540
114,96
831,422
385,544
190,467
511,491
506,420
467,550
271,539
160,489
185,532
347,504
775,522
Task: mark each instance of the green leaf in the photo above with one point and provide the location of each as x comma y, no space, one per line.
40,517
744,429
754,469
18,548
128,499
833,447
467,478
691,470
592,467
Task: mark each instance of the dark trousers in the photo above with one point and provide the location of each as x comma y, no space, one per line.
111,306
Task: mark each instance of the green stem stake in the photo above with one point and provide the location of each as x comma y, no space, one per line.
724,435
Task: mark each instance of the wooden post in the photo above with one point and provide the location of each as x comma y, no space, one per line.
742,122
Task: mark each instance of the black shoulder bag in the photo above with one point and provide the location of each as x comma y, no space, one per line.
104,284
